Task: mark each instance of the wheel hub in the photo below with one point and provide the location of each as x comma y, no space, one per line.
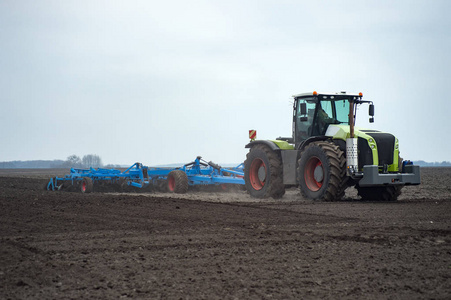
318,174
171,183
314,174
257,174
262,173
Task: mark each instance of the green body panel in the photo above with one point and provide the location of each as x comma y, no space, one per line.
342,132
283,145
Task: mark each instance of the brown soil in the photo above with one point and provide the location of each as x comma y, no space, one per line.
222,246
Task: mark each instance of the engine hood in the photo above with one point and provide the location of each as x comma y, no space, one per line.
342,132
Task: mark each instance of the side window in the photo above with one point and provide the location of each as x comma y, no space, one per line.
310,110
303,128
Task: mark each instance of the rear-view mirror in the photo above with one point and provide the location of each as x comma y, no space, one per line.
303,109
371,110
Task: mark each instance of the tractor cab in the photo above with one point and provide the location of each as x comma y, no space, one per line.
314,112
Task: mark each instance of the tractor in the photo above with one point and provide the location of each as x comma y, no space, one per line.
326,154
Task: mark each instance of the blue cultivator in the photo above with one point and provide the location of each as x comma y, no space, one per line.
198,172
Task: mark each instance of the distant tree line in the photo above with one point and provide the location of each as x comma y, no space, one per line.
32,164
423,163
72,161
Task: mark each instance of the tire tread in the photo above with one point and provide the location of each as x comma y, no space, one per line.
276,188
337,163
181,181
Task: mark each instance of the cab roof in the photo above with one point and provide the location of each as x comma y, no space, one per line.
342,93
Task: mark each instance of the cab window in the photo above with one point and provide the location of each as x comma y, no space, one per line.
342,109
303,128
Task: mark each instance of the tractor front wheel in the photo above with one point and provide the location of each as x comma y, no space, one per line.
379,193
177,182
263,173
322,172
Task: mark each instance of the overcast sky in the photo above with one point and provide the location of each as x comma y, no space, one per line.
164,81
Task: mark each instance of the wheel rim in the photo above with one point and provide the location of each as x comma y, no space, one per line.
314,174
171,183
83,186
257,174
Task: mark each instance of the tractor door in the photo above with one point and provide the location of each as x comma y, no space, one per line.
303,124
325,116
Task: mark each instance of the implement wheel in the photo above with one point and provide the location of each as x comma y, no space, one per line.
263,173
322,172
177,182
86,185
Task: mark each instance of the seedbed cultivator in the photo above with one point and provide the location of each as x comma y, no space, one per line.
176,180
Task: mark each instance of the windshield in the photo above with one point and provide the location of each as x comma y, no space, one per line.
342,111
338,110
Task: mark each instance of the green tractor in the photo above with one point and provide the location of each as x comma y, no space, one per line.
327,154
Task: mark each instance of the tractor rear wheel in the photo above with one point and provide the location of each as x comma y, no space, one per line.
86,185
322,172
263,173
379,193
177,182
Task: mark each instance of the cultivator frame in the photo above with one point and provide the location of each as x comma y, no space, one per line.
198,172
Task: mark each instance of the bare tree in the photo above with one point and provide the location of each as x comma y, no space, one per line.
73,161
92,160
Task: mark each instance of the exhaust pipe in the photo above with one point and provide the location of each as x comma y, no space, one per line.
352,159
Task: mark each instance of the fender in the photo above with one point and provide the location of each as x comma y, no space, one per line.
311,140
273,145
270,144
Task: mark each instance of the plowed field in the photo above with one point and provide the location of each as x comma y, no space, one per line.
204,245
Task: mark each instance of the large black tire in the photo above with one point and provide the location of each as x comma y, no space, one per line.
86,185
379,193
322,172
177,182
263,173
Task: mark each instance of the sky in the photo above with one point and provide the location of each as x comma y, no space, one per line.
162,82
